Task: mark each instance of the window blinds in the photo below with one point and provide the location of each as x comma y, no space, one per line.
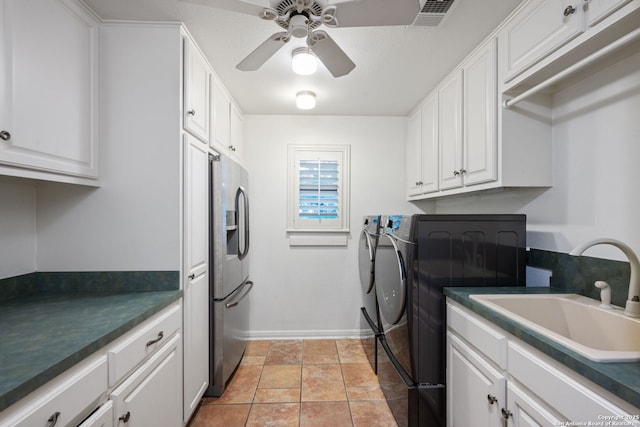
318,196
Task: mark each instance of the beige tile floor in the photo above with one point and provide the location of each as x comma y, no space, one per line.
305,383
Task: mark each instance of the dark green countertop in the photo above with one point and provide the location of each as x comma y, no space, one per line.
43,335
621,379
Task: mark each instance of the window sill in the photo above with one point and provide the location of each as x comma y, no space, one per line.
318,237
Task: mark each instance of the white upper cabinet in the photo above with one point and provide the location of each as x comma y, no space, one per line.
541,28
468,122
197,78
414,154
597,10
480,132
478,144
422,149
544,42
450,131
49,86
236,134
227,129
221,132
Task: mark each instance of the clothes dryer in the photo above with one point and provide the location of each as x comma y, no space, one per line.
417,257
369,315
394,370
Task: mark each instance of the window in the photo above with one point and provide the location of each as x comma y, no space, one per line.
318,193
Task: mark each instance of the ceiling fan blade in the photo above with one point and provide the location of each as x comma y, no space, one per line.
326,49
374,13
231,5
262,53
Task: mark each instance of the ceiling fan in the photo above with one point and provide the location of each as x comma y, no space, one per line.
301,18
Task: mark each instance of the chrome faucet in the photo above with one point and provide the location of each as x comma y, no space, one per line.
632,307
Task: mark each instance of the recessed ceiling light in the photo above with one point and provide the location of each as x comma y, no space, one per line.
305,100
303,61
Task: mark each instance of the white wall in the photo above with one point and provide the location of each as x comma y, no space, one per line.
306,291
132,222
17,227
596,190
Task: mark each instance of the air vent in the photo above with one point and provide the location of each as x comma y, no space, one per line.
432,13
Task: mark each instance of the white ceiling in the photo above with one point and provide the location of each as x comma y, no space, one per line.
395,66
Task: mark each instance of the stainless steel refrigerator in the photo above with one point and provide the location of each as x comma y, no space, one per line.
229,262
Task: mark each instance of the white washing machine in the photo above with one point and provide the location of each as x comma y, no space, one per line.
369,314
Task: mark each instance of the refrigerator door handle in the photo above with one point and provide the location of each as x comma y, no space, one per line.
245,197
248,283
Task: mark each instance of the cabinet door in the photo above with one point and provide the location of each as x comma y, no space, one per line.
480,134
429,144
526,411
476,390
538,30
597,10
236,137
414,156
49,102
221,118
196,286
450,131
151,395
196,92
196,206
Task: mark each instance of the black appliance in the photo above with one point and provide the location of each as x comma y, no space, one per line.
433,252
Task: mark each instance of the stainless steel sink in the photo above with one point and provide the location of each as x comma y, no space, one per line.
574,321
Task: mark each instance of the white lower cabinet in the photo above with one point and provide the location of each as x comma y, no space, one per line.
151,396
527,388
476,388
524,411
134,381
66,400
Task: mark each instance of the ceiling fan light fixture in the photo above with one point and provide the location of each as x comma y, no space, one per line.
303,62
306,100
299,24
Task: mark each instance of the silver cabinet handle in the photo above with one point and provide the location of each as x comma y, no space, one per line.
5,135
125,417
232,148
192,276
505,414
456,173
53,419
463,171
152,342
569,10
191,112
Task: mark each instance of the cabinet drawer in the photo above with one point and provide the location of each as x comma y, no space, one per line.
103,417
124,357
486,339
68,401
151,396
575,401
